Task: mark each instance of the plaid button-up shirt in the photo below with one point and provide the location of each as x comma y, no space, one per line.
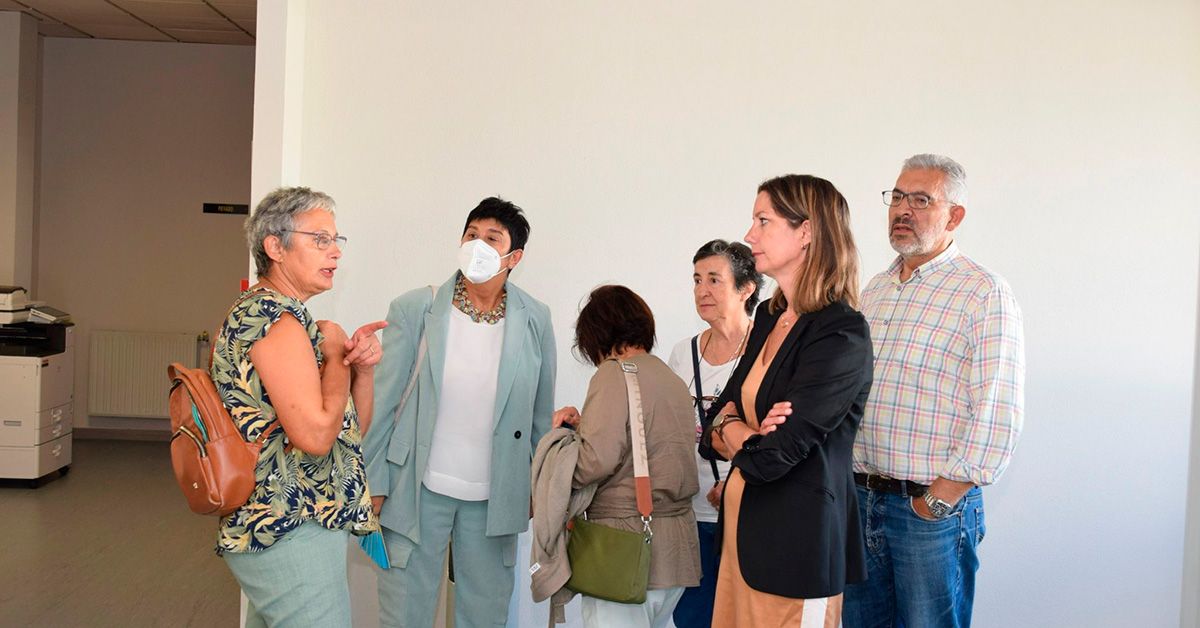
948,396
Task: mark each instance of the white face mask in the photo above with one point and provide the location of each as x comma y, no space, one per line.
478,261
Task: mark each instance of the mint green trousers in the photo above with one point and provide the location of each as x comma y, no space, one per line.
483,567
300,581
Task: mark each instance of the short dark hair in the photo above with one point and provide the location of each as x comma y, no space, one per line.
614,318
741,264
505,213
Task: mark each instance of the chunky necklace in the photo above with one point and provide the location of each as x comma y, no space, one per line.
464,305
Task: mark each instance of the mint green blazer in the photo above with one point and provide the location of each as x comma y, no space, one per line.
396,446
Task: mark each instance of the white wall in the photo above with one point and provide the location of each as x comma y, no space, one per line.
632,132
136,137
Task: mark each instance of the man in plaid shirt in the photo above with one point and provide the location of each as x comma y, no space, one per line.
945,408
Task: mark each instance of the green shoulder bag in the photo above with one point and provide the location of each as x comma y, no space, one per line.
607,563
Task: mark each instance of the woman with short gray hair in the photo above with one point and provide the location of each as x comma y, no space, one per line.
305,391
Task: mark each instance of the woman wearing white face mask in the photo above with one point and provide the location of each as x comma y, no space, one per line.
451,460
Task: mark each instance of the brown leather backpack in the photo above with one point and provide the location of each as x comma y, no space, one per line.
213,464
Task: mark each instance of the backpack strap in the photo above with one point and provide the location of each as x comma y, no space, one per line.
262,438
212,351
276,424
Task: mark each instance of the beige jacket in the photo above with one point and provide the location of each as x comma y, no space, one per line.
554,504
605,459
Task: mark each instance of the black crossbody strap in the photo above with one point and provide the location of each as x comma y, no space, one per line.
699,392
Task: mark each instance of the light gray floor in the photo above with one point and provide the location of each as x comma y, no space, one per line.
111,544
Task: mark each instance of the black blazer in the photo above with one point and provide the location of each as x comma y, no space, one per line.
798,530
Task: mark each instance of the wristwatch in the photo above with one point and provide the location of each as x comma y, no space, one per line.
937,507
723,419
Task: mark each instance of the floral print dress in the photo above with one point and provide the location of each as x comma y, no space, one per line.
291,486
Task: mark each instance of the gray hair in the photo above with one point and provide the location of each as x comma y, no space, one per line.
954,184
276,216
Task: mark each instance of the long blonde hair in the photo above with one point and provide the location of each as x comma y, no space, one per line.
830,273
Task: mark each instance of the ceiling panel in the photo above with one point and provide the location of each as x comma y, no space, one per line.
193,21
236,11
54,29
42,18
210,37
137,31
166,10
215,23
80,12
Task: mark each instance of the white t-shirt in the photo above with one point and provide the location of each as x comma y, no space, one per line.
712,384
460,456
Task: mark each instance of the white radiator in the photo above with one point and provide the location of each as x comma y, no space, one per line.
127,373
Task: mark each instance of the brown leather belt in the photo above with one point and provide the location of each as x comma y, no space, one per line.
885,484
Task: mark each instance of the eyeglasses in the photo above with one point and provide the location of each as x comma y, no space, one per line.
323,239
916,200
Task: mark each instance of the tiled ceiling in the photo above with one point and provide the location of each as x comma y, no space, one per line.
190,21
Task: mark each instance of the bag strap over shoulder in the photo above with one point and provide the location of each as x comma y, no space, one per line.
637,434
412,380
700,397
422,349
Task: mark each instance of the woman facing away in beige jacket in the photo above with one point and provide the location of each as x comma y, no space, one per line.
616,326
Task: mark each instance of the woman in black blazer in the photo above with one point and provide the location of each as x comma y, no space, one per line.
790,537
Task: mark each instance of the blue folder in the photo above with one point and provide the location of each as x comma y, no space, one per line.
373,545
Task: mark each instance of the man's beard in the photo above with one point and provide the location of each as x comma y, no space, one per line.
917,244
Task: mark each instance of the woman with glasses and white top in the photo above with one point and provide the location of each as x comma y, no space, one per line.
726,291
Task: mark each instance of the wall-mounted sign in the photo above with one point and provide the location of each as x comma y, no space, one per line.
226,208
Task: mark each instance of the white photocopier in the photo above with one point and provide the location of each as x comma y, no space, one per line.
37,388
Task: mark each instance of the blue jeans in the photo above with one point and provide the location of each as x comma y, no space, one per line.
920,573
299,581
695,608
